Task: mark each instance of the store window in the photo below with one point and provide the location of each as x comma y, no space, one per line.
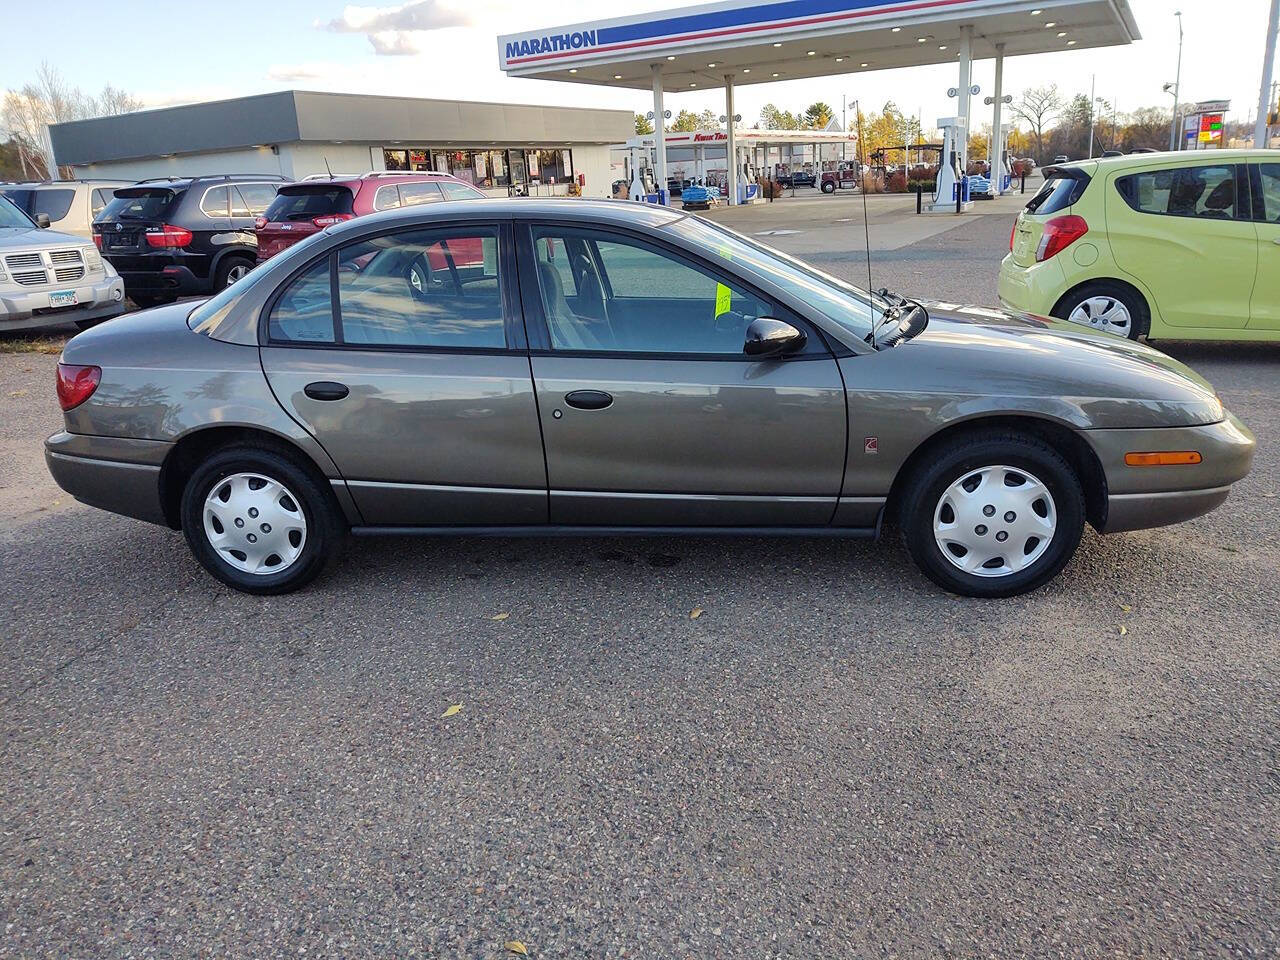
395,159
553,166
419,160
498,168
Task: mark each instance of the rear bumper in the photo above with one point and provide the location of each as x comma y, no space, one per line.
1033,289
1141,497
173,279
111,473
29,310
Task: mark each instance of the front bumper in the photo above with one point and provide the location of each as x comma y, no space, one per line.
111,473
29,309
1141,497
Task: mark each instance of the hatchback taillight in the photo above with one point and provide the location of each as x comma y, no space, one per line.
1013,232
76,384
328,220
168,236
1060,233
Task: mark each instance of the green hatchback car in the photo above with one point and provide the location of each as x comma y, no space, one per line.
1179,246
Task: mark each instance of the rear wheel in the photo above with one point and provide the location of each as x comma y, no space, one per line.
828,186
1110,307
258,521
993,514
231,270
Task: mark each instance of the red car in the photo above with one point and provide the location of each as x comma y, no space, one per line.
303,208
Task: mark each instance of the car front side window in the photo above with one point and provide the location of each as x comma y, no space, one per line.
612,293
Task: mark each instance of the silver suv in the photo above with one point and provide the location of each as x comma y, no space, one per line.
48,277
70,205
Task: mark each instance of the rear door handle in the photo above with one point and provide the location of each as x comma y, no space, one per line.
588,399
326,390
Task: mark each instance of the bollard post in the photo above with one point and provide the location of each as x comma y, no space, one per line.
1024,181
959,195
919,199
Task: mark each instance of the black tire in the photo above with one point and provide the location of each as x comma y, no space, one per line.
922,496
229,266
1134,302
144,300
828,187
324,531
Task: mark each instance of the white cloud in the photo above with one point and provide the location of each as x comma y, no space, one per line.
398,31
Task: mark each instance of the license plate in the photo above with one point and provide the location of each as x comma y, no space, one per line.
62,298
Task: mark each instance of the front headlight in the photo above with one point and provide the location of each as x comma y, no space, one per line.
92,260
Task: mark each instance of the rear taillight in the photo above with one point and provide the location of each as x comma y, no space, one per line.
1013,232
1060,233
259,223
330,219
97,240
76,384
168,236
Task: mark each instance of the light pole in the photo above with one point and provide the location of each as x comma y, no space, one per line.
1177,87
1268,65
1093,84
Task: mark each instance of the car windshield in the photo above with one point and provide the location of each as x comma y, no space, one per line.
853,308
11,216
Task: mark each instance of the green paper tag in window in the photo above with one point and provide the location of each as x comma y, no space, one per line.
724,300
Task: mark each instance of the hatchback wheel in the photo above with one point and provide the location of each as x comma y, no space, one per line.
1108,307
259,522
992,515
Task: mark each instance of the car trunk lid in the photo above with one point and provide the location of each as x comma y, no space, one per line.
300,210
122,226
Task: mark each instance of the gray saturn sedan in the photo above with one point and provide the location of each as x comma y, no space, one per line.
552,367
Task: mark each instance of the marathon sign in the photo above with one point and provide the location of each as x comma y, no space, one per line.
550,43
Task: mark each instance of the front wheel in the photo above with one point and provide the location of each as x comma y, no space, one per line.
259,522
828,187
1108,307
992,515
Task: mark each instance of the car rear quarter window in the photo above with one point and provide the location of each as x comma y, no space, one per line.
1207,192
303,313
460,191
429,288
255,197
216,202
305,203
412,194
1057,194
98,200
1270,191
387,197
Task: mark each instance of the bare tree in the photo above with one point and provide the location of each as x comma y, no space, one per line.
1038,107
28,112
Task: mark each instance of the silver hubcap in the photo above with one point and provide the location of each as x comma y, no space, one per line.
995,521
1103,313
237,272
255,523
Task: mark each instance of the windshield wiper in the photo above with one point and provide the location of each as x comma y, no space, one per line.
897,304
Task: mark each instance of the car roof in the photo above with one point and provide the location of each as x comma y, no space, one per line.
620,213
1226,155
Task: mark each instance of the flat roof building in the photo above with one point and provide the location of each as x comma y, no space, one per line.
499,147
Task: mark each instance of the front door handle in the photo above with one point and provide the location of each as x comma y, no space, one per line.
588,399
326,390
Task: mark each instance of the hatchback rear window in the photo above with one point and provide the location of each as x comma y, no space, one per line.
134,204
1058,193
55,203
306,203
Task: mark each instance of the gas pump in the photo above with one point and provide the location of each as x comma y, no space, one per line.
951,179
639,173
1006,170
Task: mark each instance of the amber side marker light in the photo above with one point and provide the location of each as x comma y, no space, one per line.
1162,458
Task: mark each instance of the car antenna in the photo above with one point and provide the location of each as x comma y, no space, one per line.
862,188
326,166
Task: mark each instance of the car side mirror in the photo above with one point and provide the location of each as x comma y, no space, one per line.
767,337
42,221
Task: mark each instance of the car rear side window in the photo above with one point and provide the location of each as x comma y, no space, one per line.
1207,192
304,312
306,203
1057,194
459,191
1270,191
386,198
412,194
216,202
52,203
429,288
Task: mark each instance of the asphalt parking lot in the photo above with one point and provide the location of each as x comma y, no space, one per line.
831,759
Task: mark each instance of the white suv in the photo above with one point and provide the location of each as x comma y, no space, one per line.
49,278
70,205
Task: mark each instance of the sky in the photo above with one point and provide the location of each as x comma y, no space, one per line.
167,54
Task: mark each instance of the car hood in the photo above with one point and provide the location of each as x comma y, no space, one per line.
18,237
1103,380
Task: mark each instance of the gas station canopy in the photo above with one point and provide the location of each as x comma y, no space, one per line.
768,42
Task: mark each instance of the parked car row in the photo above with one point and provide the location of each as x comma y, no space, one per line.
164,238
